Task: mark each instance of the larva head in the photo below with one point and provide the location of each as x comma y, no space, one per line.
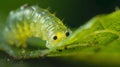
57,37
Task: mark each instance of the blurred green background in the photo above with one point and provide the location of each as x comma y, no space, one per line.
74,14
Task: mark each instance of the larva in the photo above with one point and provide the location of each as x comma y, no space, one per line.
33,21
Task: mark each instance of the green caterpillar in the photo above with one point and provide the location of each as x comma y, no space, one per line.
33,21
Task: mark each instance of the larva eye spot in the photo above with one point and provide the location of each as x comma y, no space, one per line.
67,34
55,38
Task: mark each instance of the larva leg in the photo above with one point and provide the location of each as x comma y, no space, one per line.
22,53
19,53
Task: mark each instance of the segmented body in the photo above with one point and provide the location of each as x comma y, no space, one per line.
33,21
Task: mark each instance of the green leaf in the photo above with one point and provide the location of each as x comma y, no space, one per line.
98,40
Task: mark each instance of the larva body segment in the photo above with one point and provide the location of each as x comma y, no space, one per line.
33,21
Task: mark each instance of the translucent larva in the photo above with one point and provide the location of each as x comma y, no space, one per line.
33,21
